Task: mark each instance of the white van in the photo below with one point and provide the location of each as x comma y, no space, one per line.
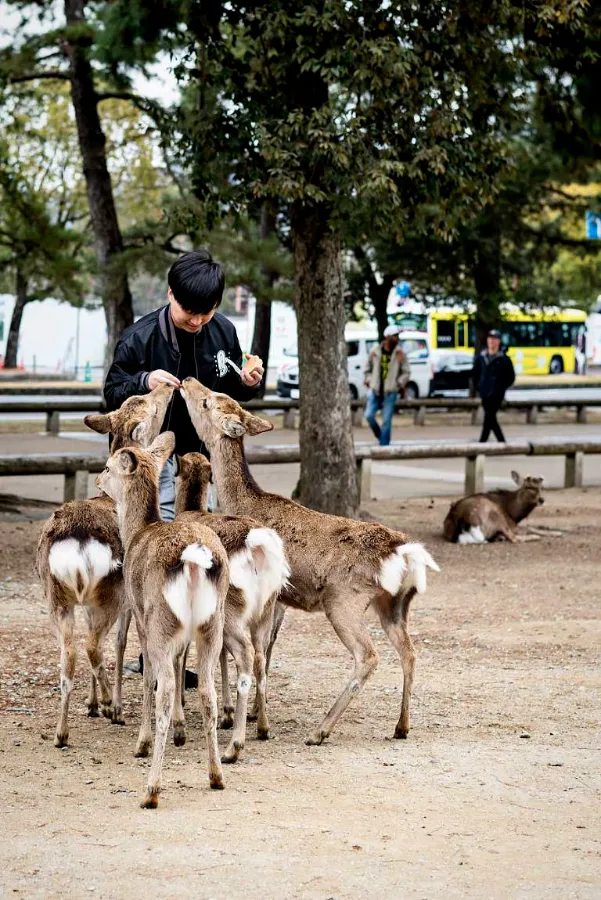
359,342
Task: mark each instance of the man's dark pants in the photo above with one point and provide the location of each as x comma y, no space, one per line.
491,407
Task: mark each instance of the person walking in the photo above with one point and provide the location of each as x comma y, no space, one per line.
492,375
187,337
386,374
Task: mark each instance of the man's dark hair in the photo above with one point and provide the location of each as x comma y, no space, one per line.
197,282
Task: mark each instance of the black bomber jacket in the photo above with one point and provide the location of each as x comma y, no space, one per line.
151,343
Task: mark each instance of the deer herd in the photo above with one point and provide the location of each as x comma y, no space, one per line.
224,580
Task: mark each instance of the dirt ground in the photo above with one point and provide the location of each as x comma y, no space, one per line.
494,794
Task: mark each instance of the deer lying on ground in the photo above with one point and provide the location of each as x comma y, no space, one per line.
78,561
338,566
492,516
176,579
258,572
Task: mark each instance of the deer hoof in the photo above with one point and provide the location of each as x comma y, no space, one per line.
93,711
142,750
61,739
315,740
117,716
402,733
151,800
226,722
216,783
107,710
262,734
179,735
233,752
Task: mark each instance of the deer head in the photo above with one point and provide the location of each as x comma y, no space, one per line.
133,464
193,477
529,490
137,422
217,415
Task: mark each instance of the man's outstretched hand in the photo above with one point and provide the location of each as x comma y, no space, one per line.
159,376
252,371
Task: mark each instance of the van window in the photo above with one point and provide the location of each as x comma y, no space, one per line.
445,333
415,348
461,333
352,348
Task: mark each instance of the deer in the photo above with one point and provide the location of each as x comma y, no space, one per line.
338,566
480,518
176,578
78,561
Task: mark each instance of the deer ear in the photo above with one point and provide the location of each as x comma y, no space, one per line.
163,446
127,461
140,433
516,477
100,423
255,425
179,464
232,426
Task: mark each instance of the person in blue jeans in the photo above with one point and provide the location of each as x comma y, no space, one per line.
386,374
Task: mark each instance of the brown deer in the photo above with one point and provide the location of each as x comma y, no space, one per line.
338,566
258,572
79,559
493,516
176,579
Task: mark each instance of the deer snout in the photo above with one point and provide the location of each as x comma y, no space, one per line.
541,500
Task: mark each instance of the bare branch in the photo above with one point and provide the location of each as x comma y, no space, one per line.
34,76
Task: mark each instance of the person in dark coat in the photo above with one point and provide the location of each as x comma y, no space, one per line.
492,375
187,337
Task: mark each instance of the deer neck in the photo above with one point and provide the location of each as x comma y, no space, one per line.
138,508
192,495
238,491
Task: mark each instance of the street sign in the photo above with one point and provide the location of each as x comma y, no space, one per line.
593,225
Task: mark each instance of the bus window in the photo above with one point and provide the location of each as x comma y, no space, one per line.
471,333
445,333
460,333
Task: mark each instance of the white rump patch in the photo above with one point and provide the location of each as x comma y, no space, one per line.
192,595
475,535
405,569
80,566
260,570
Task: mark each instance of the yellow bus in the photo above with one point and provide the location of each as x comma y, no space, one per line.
539,342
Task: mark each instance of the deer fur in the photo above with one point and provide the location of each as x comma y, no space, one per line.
338,566
176,579
79,559
492,516
258,572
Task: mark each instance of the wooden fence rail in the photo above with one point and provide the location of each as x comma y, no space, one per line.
77,467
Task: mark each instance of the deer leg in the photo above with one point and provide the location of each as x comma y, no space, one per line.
226,697
240,647
65,625
182,686
208,647
145,734
120,645
179,723
348,624
399,637
92,698
99,624
279,611
259,635
163,665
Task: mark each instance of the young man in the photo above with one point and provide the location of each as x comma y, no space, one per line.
181,339
386,373
492,375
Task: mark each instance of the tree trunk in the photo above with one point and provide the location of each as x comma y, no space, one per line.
12,343
328,479
487,278
107,235
262,330
378,293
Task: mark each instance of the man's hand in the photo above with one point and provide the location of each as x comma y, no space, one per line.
252,371
160,376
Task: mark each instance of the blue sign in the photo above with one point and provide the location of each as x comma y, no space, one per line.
403,288
593,225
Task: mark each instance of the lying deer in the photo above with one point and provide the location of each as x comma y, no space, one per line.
258,572
79,559
338,566
176,580
488,517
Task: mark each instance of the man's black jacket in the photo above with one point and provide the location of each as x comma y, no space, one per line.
151,343
492,375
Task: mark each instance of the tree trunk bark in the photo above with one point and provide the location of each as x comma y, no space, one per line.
328,479
107,235
262,330
12,343
487,278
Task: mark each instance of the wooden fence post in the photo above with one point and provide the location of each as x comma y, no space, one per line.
573,470
477,416
76,486
53,422
581,415
357,417
474,474
291,419
532,415
364,470
419,416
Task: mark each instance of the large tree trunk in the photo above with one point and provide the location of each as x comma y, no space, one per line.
262,330
487,277
107,235
12,343
328,479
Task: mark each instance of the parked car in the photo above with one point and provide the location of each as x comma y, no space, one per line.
451,370
359,342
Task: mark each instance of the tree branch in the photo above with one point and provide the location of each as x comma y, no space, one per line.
33,76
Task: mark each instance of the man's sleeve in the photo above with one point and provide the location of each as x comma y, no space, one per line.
404,370
475,373
124,378
368,366
510,372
